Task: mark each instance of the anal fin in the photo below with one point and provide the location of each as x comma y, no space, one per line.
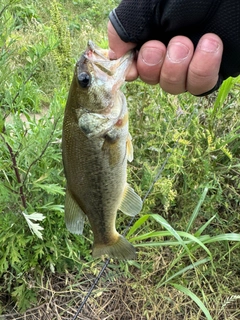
74,216
131,202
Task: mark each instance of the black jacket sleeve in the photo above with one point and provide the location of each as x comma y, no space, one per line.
142,20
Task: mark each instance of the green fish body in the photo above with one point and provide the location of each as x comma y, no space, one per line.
96,145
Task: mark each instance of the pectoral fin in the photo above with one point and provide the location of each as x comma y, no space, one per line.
131,202
129,148
74,216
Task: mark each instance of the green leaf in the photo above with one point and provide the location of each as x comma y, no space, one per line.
223,92
137,224
151,234
50,188
167,226
196,240
224,237
203,227
34,227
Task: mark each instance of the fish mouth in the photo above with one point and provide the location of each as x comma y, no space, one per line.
114,68
102,94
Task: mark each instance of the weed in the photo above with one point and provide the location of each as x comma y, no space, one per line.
62,53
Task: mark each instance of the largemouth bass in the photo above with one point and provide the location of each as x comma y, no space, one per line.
96,146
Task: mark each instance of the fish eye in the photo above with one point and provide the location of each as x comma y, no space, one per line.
84,79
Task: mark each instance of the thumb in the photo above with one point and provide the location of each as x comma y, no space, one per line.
117,47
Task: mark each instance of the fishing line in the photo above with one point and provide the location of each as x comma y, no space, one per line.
157,177
91,289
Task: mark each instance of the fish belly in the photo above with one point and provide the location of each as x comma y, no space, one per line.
96,173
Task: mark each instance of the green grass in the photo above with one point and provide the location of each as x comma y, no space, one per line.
186,168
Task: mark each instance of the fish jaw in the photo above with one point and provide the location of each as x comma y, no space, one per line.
105,79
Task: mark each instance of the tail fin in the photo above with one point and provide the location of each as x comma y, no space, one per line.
121,249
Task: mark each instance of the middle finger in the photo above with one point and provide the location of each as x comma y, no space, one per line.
175,66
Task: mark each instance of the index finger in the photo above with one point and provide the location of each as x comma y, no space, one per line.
117,47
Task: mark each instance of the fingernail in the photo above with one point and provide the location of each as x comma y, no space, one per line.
209,45
177,52
112,55
151,56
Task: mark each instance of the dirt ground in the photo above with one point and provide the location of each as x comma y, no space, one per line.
119,298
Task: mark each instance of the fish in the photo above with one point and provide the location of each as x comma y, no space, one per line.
96,145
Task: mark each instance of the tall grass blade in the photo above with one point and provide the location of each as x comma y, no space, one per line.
197,208
137,224
223,92
224,237
194,298
203,227
173,232
196,240
180,234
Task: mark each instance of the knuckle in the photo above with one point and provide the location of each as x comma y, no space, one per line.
173,85
200,71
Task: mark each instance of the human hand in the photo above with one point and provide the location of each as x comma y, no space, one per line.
178,67
194,61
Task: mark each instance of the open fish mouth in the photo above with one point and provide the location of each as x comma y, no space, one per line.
99,57
100,79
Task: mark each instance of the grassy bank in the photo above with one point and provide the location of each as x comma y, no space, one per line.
186,168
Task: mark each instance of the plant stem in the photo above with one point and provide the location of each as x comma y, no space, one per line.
17,174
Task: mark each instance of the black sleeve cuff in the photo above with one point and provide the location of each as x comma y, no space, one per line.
118,26
133,19
217,85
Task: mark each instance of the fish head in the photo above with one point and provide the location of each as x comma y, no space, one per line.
97,79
